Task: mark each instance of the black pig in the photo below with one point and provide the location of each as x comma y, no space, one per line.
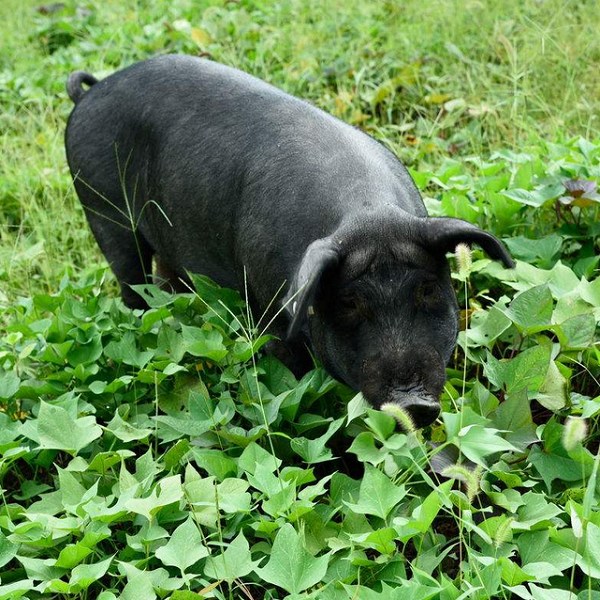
213,171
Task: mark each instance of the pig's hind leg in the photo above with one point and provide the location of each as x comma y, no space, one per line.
169,279
125,248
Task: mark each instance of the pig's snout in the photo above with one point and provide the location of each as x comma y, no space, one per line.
411,379
421,406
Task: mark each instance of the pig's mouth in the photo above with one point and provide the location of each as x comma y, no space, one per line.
422,406
401,385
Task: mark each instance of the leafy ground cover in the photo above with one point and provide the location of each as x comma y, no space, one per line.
164,455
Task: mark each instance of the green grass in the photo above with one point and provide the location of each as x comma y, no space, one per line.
513,72
162,454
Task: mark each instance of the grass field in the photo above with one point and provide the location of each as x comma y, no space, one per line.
162,455
432,80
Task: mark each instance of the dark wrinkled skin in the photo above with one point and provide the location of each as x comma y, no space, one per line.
222,174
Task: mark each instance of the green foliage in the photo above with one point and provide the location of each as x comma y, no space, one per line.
164,455
166,459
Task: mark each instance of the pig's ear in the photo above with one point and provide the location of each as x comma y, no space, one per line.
444,233
319,257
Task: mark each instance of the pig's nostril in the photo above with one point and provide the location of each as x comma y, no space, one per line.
420,406
423,411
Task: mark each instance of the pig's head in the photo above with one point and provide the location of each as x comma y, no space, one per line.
377,303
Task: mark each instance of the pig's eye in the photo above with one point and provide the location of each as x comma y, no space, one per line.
352,308
428,295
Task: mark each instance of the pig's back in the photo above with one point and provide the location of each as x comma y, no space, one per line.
222,155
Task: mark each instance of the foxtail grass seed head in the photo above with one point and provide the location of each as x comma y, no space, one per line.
504,532
473,483
404,419
470,477
574,432
464,259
